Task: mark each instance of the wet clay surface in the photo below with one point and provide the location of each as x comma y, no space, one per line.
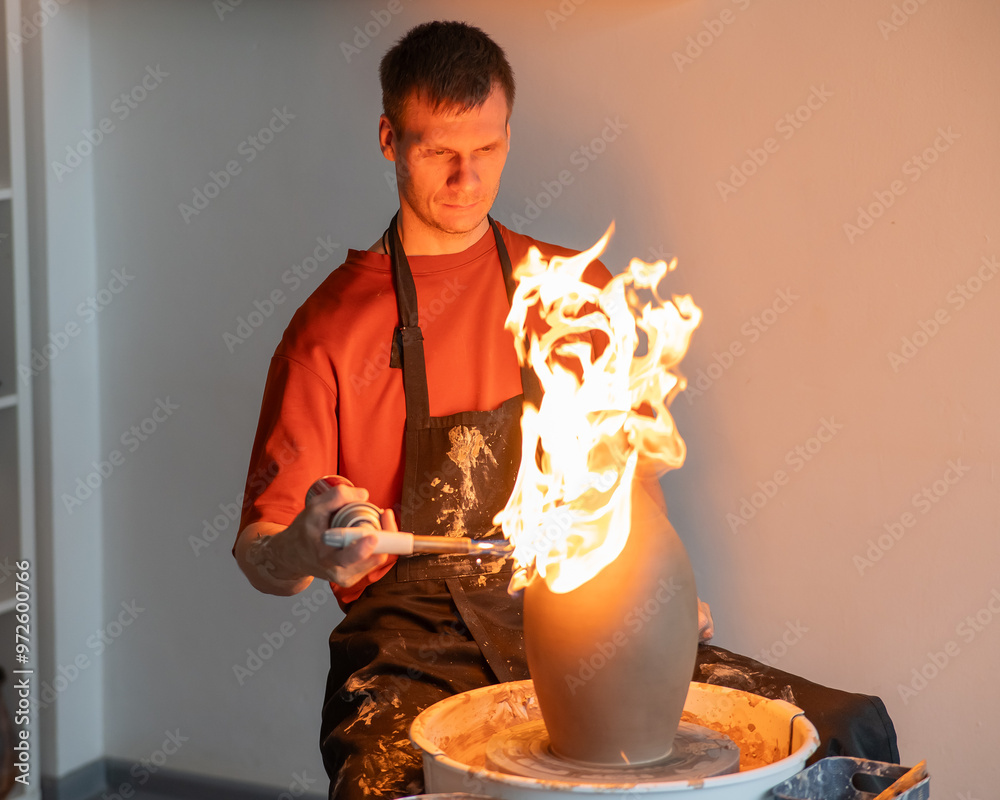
754,751
697,753
469,730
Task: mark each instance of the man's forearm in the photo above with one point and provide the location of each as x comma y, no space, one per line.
262,555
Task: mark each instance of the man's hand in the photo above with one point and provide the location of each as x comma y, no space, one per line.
284,561
706,628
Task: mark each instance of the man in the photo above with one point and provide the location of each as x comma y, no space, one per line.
433,436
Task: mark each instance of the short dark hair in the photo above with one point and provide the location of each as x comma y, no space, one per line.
452,63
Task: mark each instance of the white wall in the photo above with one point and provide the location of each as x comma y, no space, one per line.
67,390
681,129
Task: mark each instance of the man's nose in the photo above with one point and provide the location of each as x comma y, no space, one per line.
464,176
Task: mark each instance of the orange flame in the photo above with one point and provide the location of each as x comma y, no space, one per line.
606,361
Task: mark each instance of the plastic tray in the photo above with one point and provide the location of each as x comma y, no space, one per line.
841,778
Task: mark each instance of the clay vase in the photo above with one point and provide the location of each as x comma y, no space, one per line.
612,659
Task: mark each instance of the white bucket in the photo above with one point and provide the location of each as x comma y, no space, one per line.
774,738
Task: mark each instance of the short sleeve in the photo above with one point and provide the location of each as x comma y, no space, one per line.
296,443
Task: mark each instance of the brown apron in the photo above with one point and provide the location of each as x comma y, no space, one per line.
432,626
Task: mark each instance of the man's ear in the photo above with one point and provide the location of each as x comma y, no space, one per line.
387,138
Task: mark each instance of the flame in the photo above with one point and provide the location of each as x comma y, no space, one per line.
606,362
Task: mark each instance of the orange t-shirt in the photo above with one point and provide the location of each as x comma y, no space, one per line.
333,405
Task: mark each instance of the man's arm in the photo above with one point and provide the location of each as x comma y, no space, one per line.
284,561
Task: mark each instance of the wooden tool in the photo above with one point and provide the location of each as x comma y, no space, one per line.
906,781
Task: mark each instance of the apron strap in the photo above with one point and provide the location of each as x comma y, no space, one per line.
505,265
530,387
408,342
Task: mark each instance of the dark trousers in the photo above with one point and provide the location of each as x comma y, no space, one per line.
402,647
848,724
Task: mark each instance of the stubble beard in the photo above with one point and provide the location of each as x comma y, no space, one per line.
428,221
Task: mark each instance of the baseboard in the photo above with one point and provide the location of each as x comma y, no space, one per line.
119,779
83,782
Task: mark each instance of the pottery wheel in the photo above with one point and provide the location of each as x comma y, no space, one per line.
697,753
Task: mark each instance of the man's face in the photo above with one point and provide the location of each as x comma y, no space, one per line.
448,164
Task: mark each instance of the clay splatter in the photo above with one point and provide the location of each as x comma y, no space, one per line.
372,703
385,771
468,449
467,446
746,680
